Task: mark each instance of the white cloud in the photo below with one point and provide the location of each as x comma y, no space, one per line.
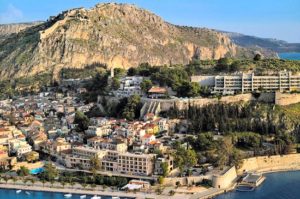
11,15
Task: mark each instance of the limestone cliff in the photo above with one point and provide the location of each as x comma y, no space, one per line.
118,35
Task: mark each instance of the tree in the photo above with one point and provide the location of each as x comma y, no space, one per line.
25,181
95,165
145,85
50,172
23,171
161,179
257,57
72,184
115,85
131,110
191,158
43,182
14,180
6,179
171,192
185,158
165,169
132,72
32,180
95,162
223,64
82,121
188,89
63,183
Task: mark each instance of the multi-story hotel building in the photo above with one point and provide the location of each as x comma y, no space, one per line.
244,83
114,161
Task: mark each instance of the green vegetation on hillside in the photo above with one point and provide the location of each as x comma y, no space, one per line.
82,73
244,127
24,85
229,65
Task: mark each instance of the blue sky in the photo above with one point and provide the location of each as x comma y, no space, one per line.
265,18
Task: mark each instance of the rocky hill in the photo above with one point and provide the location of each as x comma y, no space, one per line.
272,45
8,29
118,35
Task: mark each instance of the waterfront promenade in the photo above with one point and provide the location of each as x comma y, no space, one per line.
78,189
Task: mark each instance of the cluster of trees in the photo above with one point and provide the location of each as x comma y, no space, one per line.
184,158
80,73
50,172
176,77
24,85
225,118
129,108
245,126
82,121
220,152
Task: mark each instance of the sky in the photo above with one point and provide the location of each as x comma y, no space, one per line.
278,19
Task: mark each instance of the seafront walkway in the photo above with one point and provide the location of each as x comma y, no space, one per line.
207,194
107,173
78,189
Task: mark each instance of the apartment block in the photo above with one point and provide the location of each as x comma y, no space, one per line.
114,161
244,83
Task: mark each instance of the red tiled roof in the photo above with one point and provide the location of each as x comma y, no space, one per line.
157,90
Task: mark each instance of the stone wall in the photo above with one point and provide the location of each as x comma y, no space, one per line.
284,99
271,163
225,180
185,181
181,104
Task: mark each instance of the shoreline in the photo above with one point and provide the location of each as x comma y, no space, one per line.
65,190
138,195
267,171
75,190
277,170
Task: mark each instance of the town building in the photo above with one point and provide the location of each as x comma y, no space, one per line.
157,92
130,85
114,161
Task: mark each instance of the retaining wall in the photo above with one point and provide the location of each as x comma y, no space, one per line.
271,163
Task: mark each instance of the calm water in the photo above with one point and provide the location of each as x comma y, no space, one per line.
290,56
11,194
284,185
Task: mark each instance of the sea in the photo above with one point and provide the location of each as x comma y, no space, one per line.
290,56
283,185
11,194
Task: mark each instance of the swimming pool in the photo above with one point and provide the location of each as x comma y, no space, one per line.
37,170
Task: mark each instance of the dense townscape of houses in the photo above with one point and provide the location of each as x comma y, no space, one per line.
44,124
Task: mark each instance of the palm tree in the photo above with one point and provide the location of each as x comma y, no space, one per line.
63,183
84,185
52,182
72,184
14,180
43,181
6,179
93,186
32,180
25,181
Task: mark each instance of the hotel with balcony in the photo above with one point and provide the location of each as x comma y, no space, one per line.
245,83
